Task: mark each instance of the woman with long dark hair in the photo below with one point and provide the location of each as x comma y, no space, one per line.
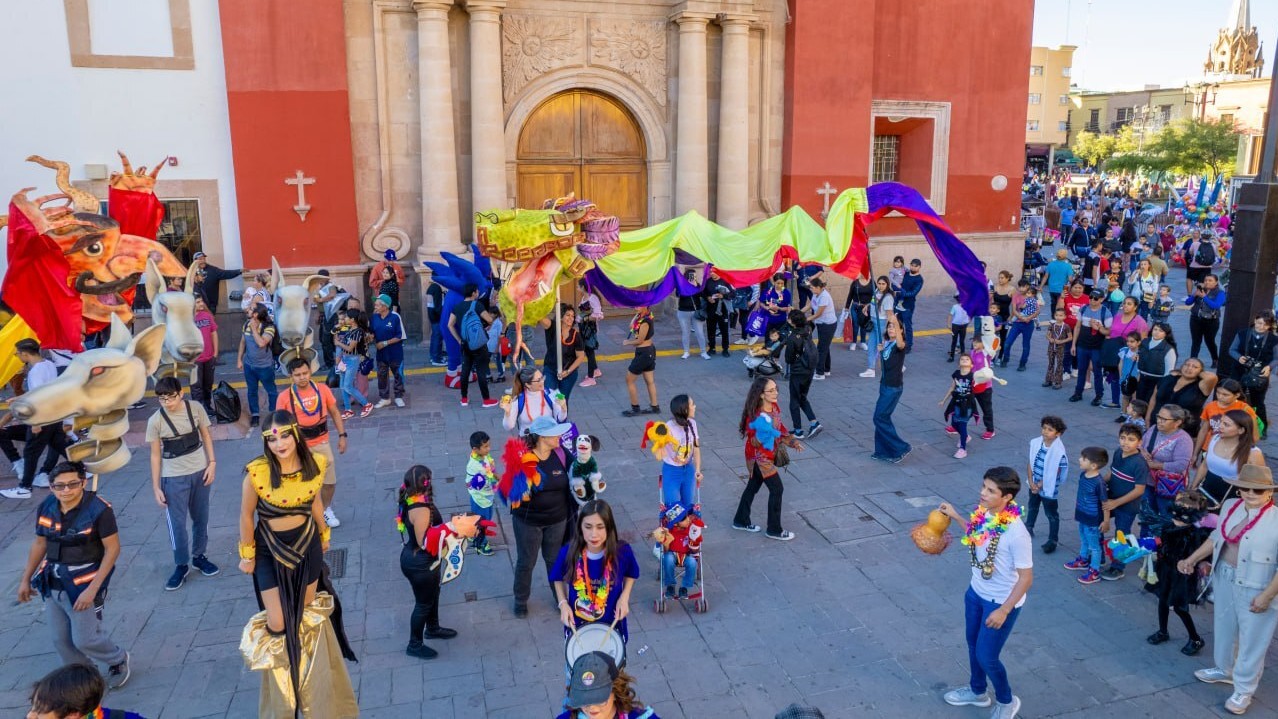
880,308
1228,451
681,461
1156,358
1253,354
1188,387
802,358
283,552
416,515
594,573
589,313
764,434
565,351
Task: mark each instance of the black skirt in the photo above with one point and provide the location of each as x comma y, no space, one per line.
265,570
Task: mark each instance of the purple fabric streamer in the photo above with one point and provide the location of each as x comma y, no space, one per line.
620,296
956,258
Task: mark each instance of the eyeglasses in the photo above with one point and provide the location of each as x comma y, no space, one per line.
168,397
1161,418
65,486
535,380
1251,490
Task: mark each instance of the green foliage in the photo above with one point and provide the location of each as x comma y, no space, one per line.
1094,148
1187,147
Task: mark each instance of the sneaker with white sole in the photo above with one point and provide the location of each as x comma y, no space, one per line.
965,697
330,518
41,480
18,466
747,528
118,674
1008,710
784,536
705,355
864,346
16,493
867,373
1238,703
399,401
1213,675
685,356
382,403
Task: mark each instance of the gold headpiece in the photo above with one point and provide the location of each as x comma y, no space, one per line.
277,430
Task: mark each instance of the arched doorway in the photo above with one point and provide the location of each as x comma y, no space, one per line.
588,143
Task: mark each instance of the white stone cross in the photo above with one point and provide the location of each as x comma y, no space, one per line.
826,191
301,180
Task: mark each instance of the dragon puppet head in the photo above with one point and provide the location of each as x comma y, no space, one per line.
551,245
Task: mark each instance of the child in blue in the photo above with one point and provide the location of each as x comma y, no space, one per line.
681,463
959,319
1163,306
1128,475
481,481
1125,381
1047,469
1089,512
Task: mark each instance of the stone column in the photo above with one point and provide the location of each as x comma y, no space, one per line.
692,154
732,208
487,134
440,230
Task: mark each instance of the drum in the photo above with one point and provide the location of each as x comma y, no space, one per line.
597,637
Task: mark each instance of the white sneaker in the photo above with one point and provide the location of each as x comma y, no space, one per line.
18,465
382,403
330,518
1088,385
1067,375
705,355
852,347
1213,675
1007,711
16,493
818,376
41,480
399,401
685,356
867,373
864,346
965,697
1238,703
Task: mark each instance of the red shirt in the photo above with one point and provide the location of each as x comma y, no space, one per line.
310,407
208,327
1073,305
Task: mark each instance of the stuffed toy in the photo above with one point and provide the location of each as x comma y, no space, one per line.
455,275
447,542
764,432
519,477
656,437
681,532
584,476
1127,549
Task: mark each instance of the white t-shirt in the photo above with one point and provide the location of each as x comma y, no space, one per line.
830,316
1015,551
681,453
887,303
40,374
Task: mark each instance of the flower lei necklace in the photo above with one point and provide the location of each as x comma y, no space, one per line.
402,514
636,322
1245,528
591,602
985,527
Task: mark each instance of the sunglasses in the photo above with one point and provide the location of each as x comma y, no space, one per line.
65,486
1251,490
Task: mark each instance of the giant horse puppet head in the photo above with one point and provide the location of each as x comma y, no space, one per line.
95,391
175,309
105,262
554,244
456,274
293,315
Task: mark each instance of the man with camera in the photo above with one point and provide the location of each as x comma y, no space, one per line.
1253,355
1205,304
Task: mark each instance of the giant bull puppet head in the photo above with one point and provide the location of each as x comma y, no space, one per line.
175,309
293,314
97,382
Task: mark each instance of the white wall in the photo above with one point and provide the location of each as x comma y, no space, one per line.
83,115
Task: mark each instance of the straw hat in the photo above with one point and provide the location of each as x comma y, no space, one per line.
1254,476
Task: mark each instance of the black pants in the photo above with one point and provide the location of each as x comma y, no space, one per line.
742,317
986,401
799,386
425,582
1256,398
477,361
327,347
1201,330
1051,509
717,325
10,434
50,437
825,336
958,339
204,383
1164,610
1146,387
529,539
742,518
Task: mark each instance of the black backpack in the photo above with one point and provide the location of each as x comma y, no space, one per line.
226,403
1206,254
806,358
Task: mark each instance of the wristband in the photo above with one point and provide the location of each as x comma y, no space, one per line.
248,551
325,533
341,434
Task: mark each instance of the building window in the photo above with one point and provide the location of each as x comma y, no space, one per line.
1064,72
1062,126
1031,125
1164,111
887,158
1093,120
1227,119
1036,70
180,230
1035,98
1124,117
1064,99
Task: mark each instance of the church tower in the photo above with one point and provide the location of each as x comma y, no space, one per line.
1236,54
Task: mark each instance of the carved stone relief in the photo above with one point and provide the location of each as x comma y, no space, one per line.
533,45
637,49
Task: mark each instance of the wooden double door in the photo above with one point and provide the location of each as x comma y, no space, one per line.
586,143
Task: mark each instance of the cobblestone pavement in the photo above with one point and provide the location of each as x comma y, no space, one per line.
849,616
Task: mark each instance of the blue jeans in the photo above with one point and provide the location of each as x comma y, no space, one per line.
907,326
985,644
436,342
1089,545
1123,518
481,541
668,570
348,383
564,385
1025,330
876,339
253,376
678,484
1089,357
887,443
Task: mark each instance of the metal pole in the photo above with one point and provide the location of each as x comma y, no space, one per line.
559,337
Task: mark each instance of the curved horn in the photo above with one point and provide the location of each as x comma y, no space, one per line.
124,162
190,279
84,201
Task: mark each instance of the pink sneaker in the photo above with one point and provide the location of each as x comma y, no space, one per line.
949,429
368,409
598,373
987,434
588,382
961,454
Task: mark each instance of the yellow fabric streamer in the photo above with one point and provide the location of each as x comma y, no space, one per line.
13,331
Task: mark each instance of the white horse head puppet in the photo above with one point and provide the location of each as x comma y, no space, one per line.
293,315
176,310
95,391
991,343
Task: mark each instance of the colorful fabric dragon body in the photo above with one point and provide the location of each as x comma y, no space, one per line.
570,239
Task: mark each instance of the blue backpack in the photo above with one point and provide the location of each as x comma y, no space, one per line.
472,328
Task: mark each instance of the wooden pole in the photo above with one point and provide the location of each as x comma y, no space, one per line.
559,337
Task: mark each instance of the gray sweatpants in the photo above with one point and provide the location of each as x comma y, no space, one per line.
187,496
79,636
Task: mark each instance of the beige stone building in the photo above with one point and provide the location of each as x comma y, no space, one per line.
1048,104
650,109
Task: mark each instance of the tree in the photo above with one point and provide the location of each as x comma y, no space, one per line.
1093,147
1186,147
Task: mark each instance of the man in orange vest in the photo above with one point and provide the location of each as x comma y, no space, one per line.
313,404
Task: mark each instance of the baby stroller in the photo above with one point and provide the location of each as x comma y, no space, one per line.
697,594
767,365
